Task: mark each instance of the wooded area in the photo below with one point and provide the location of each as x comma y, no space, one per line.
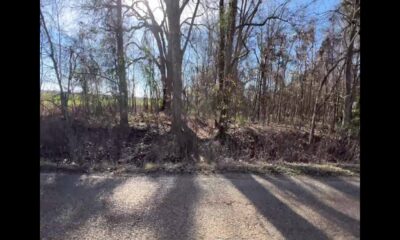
229,79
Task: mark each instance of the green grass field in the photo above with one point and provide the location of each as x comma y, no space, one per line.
52,99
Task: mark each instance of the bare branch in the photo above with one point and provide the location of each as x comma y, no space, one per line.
191,26
183,6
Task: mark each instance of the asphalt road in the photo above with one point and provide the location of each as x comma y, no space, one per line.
232,206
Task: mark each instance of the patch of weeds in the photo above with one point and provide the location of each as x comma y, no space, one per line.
319,169
151,167
280,169
355,168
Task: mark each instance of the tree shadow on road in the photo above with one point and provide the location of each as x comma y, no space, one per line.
290,224
171,213
69,201
177,222
304,196
343,186
67,205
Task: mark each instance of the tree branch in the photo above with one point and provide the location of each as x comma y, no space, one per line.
183,6
191,26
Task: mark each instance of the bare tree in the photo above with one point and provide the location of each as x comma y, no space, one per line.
56,65
174,57
123,87
352,12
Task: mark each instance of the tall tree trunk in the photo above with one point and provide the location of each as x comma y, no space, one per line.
228,72
349,79
175,63
123,88
183,135
259,97
221,60
133,98
165,105
157,32
263,90
313,120
335,106
167,91
317,103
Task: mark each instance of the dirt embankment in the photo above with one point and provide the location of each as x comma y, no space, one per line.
148,142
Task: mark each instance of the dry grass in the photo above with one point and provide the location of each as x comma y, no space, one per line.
280,168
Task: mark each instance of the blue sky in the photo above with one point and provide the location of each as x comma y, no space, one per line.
70,18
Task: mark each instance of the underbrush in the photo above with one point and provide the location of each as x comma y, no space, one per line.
289,145
148,146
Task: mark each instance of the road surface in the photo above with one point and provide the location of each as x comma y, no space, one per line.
230,206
